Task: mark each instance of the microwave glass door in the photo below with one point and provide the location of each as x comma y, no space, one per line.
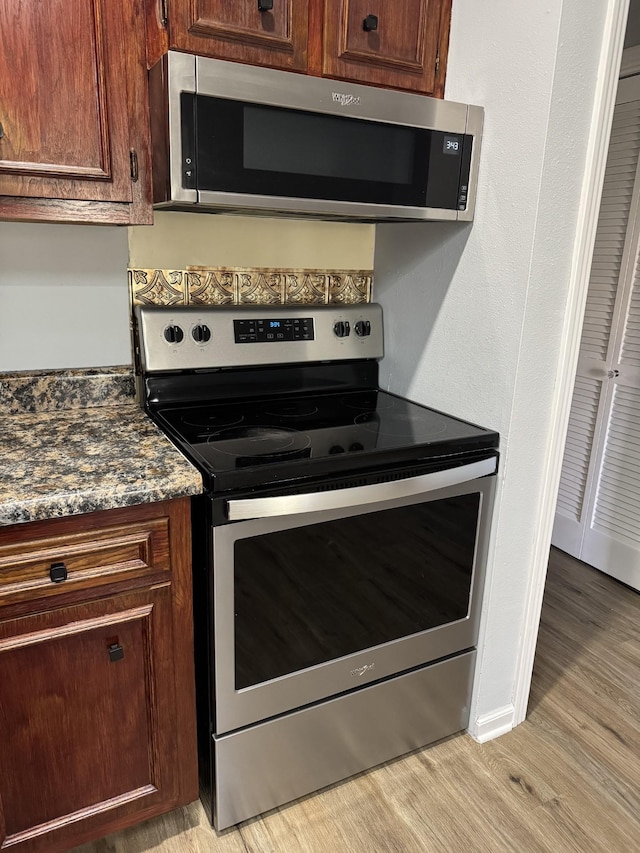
264,150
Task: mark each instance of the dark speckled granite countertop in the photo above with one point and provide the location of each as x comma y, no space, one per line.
76,441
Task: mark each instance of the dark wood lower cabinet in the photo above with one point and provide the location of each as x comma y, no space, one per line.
96,704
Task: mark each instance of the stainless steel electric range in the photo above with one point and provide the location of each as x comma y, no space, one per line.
339,548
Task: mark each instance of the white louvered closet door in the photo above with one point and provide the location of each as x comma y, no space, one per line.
598,510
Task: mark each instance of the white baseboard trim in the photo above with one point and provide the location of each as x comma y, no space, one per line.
492,725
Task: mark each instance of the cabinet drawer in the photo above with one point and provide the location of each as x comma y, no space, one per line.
72,561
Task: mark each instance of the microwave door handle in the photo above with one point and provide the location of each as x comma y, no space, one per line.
244,509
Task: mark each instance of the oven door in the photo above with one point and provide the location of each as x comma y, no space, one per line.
317,594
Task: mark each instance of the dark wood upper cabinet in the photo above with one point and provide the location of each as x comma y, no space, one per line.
400,44
242,30
73,111
385,44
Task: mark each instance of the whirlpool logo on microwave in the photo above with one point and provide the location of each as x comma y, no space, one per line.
361,670
345,100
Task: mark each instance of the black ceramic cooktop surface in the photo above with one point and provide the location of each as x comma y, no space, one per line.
273,439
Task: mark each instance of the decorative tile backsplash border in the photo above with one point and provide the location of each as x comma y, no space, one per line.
248,286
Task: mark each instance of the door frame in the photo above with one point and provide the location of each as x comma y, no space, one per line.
597,149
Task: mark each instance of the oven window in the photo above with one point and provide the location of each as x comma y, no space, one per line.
312,594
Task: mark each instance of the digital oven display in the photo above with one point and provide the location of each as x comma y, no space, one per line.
273,331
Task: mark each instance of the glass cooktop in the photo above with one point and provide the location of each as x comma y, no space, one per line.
272,439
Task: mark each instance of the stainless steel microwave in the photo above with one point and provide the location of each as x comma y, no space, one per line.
232,138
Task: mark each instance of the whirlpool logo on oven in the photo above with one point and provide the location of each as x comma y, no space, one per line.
361,670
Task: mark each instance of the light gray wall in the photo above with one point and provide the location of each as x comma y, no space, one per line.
63,296
474,314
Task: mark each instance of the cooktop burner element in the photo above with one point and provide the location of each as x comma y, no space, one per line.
213,422
267,436
370,402
258,441
291,410
405,425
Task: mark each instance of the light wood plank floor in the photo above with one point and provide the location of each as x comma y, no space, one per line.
568,779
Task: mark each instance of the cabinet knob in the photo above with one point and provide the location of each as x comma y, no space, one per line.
1,130
370,23
116,652
613,374
265,5
58,572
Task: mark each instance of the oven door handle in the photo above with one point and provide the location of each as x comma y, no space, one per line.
244,509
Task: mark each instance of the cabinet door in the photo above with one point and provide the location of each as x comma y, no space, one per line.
240,31
399,44
71,90
87,708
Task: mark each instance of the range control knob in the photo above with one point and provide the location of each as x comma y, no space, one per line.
201,333
336,448
173,334
341,329
363,328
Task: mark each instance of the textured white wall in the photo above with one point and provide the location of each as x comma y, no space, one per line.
474,313
63,296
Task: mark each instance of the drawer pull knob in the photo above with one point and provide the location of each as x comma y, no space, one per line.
265,5
370,23
58,572
116,652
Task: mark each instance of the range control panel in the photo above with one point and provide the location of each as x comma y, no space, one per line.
199,337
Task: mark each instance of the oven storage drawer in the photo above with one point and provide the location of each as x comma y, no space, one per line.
277,761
